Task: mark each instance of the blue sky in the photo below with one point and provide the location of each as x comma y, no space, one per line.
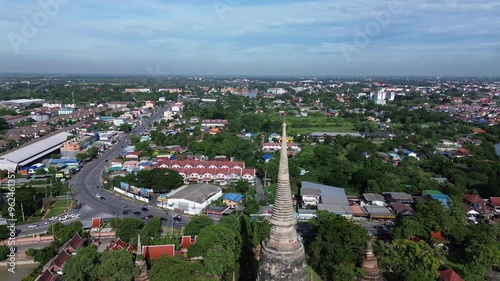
258,37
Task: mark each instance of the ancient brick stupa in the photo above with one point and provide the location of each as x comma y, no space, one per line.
282,256
370,266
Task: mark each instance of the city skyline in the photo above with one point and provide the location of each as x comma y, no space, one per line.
235,37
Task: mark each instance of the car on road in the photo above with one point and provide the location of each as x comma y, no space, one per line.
379,227
144,209
136,213
163,219
32,225
102,198
177,218
98,195
47,222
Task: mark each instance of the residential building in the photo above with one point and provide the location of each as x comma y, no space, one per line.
65,110
374,199
232,199
40,116
220,123
437,195
74,146
449,275
276,91
475,202
137,90
310,196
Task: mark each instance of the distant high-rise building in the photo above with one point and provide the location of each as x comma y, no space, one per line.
282,256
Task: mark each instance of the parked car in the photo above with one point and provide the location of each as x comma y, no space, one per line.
177,218
32,225
144,209
136,213
98,195
102,198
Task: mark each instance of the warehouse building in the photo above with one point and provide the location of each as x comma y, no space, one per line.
192,199
32,153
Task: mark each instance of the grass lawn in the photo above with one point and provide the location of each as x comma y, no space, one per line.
315,276
58,208
305,125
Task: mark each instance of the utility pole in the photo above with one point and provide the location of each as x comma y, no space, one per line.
22,210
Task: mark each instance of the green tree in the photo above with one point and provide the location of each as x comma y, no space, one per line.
160,180
65,232
337,241
405,258
210,239
111,261
83,265
176,269
219,261
128,229
82,156
409,227
151,229
196,224
345,271
232,222
4,232
4,251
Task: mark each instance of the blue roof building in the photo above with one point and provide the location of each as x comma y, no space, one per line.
233,197
444,199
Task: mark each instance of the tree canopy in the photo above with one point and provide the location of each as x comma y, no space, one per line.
196,224
160,180
338,241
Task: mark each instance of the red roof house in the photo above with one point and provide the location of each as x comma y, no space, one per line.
449,275
58,262
74,243
47,275
119,244
96,223
495,201
187,241
475,202
437,236
156,251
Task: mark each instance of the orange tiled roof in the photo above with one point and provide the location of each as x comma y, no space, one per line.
449,275
437,236
155,252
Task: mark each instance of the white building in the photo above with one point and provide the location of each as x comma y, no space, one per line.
276,91
219,123
168,115
138,90
40,116
192,199
310,196
382,96
65,110
123,119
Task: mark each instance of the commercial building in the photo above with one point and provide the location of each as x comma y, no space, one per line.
22,102
192,199
32,153
332,199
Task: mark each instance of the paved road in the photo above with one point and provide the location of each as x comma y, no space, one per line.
84,184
